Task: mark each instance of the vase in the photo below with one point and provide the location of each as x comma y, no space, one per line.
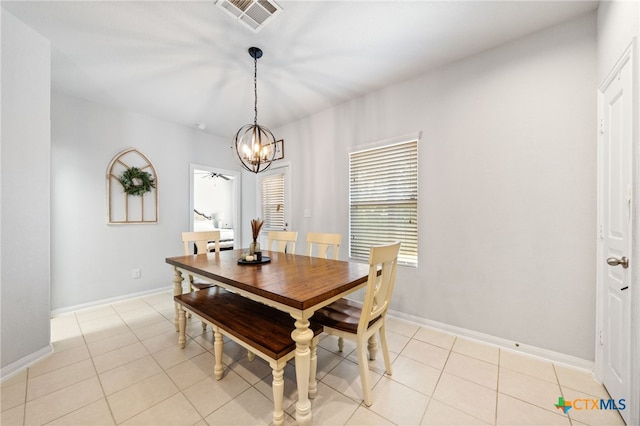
254,247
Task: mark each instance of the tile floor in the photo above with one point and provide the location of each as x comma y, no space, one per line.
120,364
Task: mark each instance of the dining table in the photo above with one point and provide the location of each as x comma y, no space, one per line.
296,284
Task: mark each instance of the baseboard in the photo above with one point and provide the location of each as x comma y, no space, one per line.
505,344
545,354
96,303
16,367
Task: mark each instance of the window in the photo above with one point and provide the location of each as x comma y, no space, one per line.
273,200
383,200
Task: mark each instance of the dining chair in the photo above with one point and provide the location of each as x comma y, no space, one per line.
360,321
285,241
203,242
323,242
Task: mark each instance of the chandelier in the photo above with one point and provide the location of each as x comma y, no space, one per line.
255,144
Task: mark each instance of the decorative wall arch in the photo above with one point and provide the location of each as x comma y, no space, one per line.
123,207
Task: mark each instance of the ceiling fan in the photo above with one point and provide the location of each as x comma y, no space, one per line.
213,175
218,175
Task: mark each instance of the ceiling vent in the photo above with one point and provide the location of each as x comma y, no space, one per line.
255,14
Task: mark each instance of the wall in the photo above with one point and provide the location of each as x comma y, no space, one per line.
507,186
25,196
618,23
93,261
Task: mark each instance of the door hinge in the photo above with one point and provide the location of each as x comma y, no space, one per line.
629,194
600,234
602,126
600,337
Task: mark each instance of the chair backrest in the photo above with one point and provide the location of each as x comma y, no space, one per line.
379,286
285,241
323,242
201,240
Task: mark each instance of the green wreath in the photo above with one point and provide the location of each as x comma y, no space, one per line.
136,181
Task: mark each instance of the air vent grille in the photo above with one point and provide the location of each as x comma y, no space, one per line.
255,14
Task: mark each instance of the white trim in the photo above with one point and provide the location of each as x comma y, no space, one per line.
635,243
533,351
16,367
96,303
416,136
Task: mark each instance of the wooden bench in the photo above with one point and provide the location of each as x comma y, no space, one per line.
261,329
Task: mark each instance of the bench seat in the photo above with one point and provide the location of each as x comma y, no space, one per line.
261,329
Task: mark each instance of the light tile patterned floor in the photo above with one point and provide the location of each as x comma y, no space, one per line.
120,364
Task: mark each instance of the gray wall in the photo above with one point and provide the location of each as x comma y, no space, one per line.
507,186
24,217
91,260
618,23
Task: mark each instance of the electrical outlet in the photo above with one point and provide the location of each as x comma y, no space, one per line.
136,273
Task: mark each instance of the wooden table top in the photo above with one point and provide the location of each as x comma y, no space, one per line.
300,282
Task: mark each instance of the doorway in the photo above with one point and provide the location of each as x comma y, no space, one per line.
273,199
215,203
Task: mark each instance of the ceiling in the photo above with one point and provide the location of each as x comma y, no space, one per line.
187,61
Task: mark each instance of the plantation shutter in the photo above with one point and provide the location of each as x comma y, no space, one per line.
383,200
273,202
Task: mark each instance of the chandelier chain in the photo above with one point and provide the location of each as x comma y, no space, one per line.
255,91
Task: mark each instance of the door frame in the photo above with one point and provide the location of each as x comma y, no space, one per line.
237,196
633,404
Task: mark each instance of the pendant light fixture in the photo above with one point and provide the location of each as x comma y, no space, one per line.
255,144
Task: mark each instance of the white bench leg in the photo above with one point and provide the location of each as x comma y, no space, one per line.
182,325
251,356
278,395
218,369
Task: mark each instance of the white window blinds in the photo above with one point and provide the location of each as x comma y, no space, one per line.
383,200
273,202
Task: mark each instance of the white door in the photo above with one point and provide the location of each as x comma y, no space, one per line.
615,177
273,199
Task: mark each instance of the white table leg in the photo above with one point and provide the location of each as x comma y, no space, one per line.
302,335
177,291
313,384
